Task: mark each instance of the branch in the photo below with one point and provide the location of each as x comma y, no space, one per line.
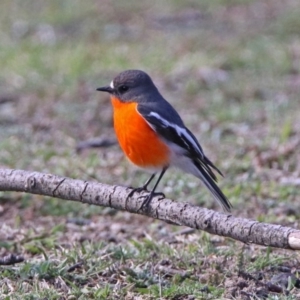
244,230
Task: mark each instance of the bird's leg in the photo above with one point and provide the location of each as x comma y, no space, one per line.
152,194
142,188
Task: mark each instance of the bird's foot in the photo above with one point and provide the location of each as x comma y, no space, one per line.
149,197
137,190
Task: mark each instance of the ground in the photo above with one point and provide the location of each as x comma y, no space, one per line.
232,70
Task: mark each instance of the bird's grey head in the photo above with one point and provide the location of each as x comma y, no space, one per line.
131,85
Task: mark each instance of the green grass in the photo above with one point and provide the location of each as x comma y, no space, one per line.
231,68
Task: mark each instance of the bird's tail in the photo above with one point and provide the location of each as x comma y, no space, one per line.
210,181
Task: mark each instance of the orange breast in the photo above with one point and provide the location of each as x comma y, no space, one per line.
136,138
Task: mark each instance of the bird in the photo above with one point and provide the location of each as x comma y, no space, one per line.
154,137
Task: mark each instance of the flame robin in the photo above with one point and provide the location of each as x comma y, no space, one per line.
153,136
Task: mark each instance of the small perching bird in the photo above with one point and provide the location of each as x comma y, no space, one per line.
153,136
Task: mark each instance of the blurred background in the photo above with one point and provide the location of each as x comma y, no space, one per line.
231,69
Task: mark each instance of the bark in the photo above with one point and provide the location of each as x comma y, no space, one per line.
244,230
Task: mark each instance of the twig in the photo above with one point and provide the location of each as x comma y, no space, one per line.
96,143
11,259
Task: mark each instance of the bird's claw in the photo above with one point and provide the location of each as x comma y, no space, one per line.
149,197
137,190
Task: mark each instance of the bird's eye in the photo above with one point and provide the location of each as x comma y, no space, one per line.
122,89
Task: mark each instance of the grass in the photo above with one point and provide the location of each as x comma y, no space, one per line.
231,68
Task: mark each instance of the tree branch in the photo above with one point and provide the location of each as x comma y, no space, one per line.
244,230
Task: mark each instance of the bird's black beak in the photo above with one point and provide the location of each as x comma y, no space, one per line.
107,89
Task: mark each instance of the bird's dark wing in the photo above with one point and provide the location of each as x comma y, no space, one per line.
161,120
170,127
